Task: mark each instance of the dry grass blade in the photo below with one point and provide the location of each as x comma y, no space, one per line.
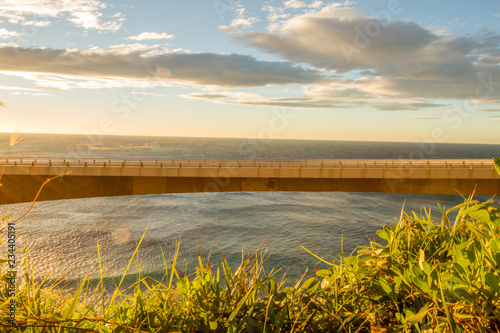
38,194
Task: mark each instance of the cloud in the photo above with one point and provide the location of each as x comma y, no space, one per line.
38,24
206,69
337,40
83,13
241,19
143,66
426,116
247,22
400,59
205,96
142,93
491,110
124,49
493,118
306,102
151,35
234,95
337,90
24,93
42,94
69,82
278,15
310,103
18,88
5,34
300,4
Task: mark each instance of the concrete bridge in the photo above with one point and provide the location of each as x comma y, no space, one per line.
22,178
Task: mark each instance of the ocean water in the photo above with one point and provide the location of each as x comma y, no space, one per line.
61,236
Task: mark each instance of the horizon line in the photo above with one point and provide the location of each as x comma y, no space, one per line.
243,138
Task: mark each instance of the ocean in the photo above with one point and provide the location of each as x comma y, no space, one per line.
61,236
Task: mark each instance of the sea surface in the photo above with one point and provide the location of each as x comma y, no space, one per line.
62,236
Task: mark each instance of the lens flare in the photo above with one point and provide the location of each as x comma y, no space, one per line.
122,235
163,72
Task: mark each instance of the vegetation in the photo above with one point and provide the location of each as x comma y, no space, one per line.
422,275
428,276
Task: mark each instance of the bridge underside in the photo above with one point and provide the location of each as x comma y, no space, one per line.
23,188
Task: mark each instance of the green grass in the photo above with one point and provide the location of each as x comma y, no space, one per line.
424,276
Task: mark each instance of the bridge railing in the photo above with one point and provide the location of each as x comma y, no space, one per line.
254,163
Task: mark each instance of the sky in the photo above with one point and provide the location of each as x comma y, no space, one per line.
371,70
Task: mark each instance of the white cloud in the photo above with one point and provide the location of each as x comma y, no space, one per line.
5,34
18,88
151,35
68,82
42,94
426,116
247,22
300,4
241,19
30,94
84,13
10,44
38,24
146,93
294,4
279,15
124,49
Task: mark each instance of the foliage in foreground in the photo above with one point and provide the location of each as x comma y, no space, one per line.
428,276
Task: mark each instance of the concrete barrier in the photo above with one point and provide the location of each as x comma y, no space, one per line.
98,178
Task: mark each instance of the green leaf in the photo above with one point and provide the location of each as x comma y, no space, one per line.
463,293
272,287
492,281
419,282
495,245
383,233
382,284
496,164
240,304
399,316
308,283
324,273
416,318
460,259
463,204
71,308
181,287
427,267
483,215
472,209
385,285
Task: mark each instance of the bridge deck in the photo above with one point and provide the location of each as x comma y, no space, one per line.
103,177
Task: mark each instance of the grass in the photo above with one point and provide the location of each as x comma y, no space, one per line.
423,275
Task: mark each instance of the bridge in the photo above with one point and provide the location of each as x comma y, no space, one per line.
22,178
